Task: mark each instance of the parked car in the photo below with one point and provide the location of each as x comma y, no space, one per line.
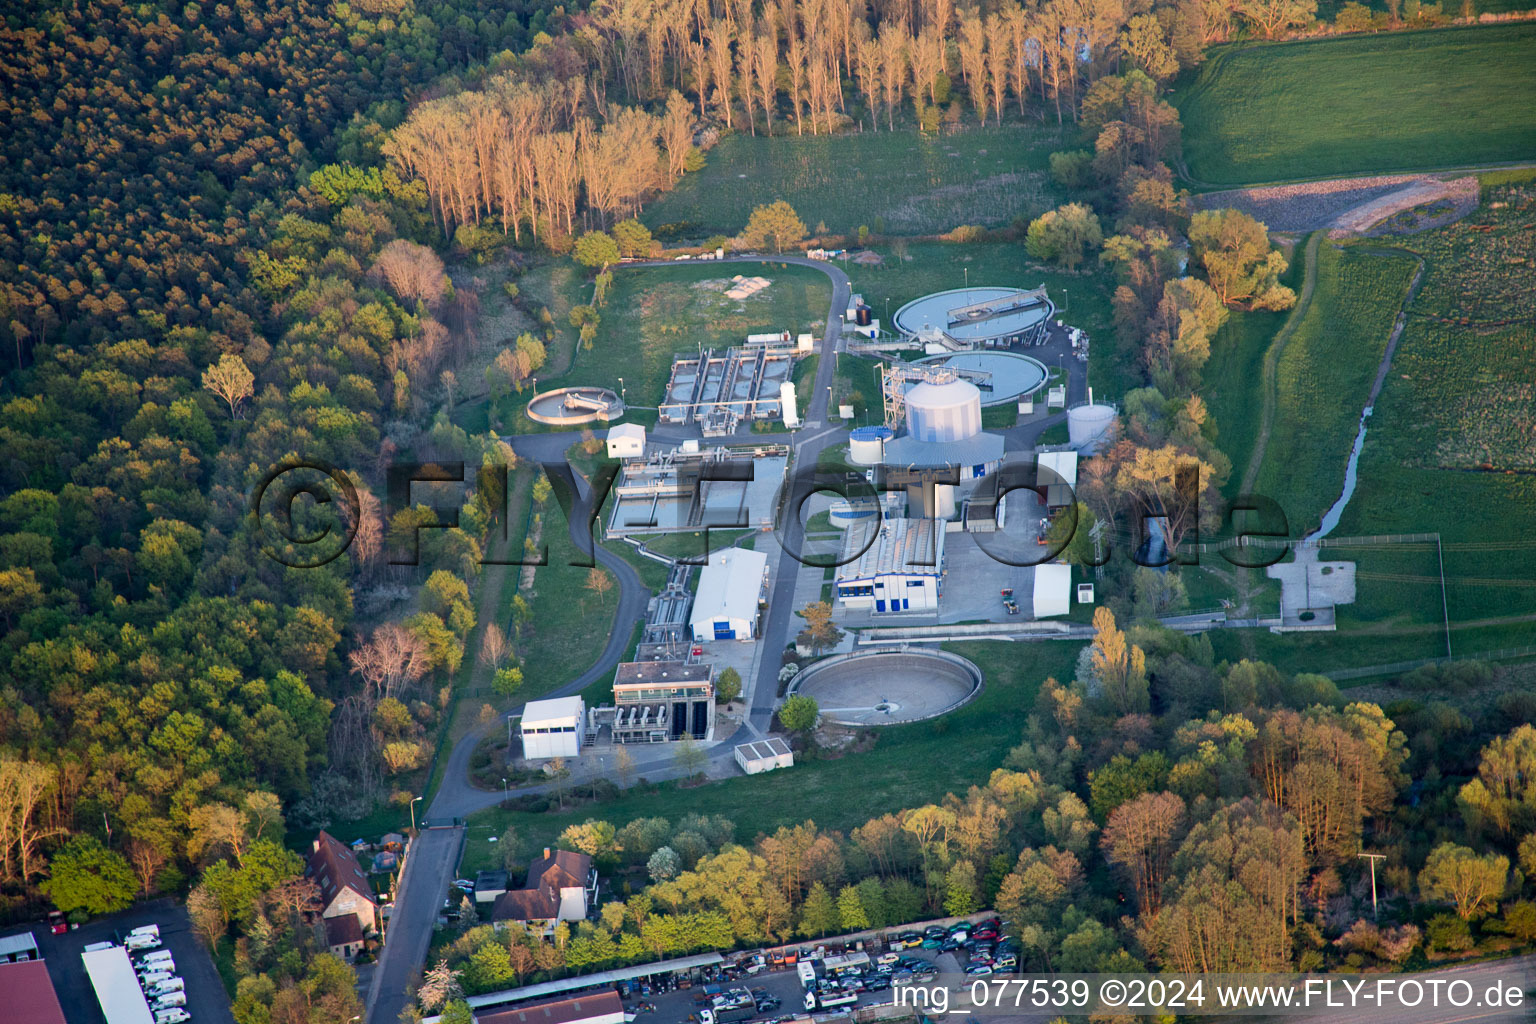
935,931
57,923
878,983
887,958
1007,962
933,943
979,969
175,1015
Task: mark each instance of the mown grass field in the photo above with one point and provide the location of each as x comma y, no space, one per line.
900,182
910,765
1362,104
1324,377
653,313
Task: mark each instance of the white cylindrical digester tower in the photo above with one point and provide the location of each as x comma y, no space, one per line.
1089,426
950,411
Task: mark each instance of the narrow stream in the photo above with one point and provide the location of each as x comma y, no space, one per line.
1332,516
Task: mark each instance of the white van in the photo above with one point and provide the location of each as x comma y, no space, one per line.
149,981
157,955
146,929
96,946
163,964
138,943
170,1001
175,1015
165,988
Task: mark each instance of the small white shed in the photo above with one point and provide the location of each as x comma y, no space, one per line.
1053,589
764,755
626,441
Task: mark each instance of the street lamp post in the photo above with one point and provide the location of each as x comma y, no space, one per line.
503,790
413,814
621,389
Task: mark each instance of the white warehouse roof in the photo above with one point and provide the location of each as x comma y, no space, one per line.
1053,589
117,987
729,587
555,710
1064,464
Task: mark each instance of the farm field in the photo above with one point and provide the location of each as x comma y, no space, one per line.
1324,377
908,766
901,182
1361,104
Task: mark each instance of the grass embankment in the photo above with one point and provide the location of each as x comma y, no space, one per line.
1449,448
1361,105
570,620
1232,381
1447,451
1323,377
910,765
901,183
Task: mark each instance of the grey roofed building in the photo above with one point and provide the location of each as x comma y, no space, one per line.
899,546
981,449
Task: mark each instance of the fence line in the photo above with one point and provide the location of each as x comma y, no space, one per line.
1502,654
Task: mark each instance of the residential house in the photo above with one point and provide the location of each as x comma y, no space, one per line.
344,888
561,886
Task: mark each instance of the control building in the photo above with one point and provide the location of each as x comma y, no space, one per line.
892,566
660,701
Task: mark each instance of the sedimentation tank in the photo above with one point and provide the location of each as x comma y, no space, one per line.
950,411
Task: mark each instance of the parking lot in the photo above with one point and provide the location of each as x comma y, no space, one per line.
680,1006
207,1001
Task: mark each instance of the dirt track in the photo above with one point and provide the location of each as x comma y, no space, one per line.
1347,204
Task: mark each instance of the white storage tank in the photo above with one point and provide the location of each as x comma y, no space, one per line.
866,445
1089,426
944,412
789,405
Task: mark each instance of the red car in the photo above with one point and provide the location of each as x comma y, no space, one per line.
56,922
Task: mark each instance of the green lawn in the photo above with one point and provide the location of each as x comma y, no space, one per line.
570,621
1458,396
653,313
1324,378
909,766
900,182
1362,104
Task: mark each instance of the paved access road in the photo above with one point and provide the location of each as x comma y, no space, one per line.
428,870
434,854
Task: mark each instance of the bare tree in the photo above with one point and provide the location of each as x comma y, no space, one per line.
413,272
231,380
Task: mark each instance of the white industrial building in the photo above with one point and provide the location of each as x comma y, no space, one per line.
764,755
553,727
117,987
626,441
1053,589
892,566
1056,473
730,589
